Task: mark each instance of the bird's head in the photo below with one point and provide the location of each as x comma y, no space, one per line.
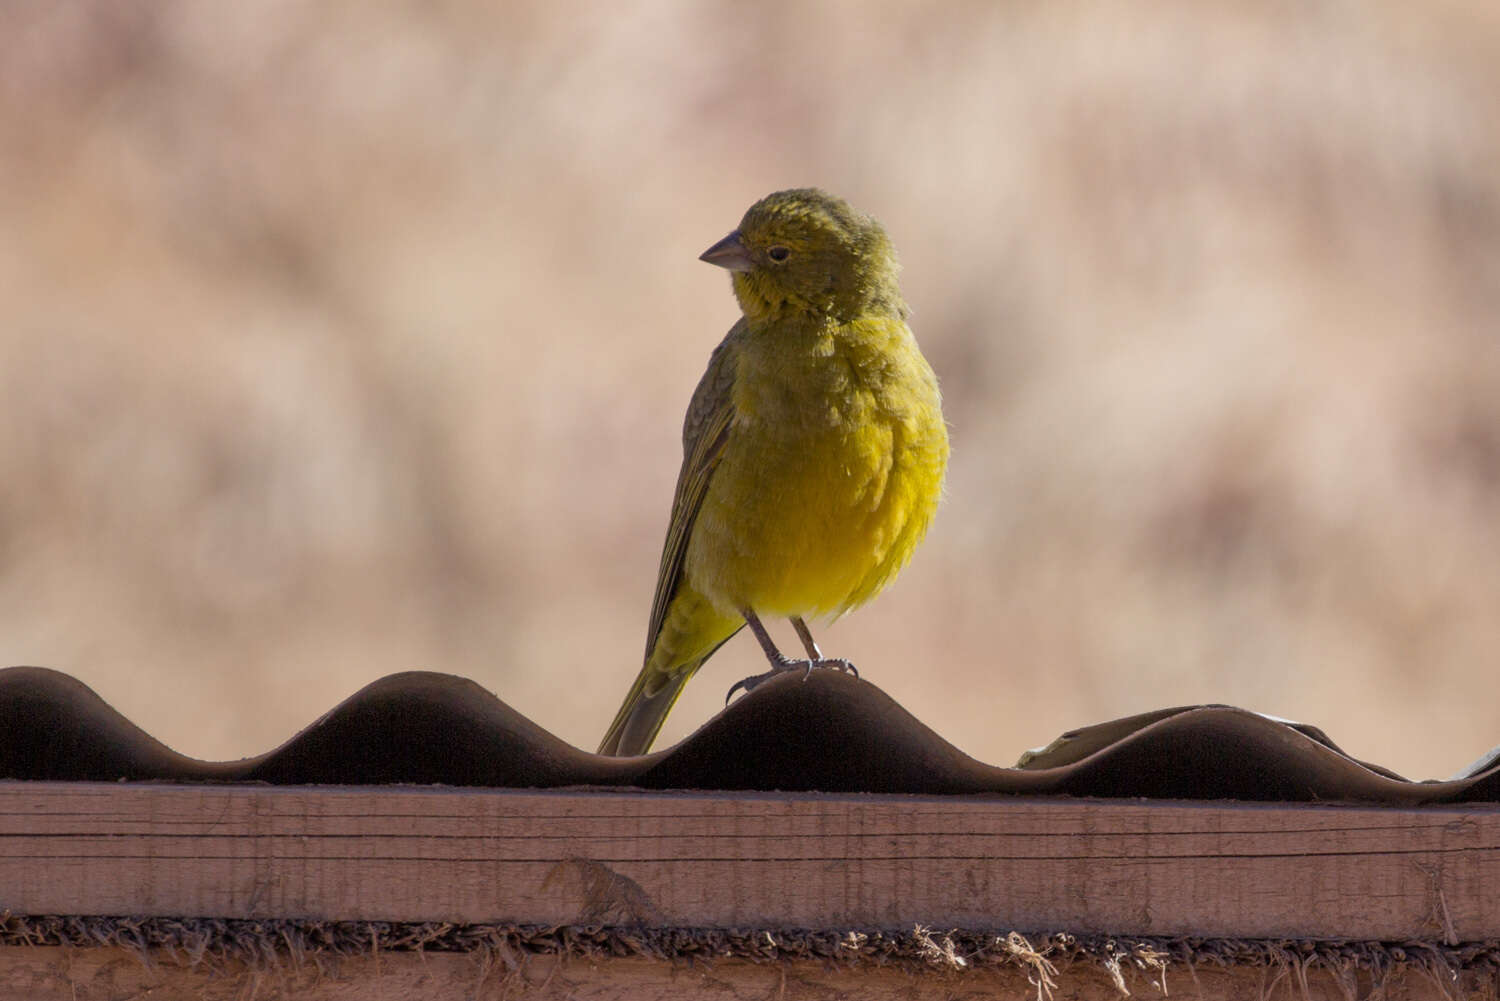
805,251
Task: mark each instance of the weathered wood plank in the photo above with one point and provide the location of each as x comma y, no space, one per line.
110,974
751,860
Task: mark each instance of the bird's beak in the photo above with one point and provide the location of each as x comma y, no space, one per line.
729,253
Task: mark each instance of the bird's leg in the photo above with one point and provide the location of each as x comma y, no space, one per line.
780,662
805,635
811,646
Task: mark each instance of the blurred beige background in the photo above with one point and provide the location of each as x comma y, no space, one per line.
344,339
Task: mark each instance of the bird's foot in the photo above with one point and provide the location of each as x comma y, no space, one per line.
786,664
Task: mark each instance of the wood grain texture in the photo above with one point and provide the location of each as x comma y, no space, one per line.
55,974
751,860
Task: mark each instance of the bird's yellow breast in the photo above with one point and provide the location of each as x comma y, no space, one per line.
831,472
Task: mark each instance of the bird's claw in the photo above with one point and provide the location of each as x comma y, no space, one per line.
804,665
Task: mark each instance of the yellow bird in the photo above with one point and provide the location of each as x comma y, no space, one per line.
814,450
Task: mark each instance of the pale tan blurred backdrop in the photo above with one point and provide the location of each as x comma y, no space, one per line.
343,339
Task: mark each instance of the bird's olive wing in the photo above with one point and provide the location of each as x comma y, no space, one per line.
704,432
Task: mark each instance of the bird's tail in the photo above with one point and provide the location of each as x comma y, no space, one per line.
640,718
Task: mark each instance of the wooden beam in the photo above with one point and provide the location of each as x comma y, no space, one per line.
1149,868
55,974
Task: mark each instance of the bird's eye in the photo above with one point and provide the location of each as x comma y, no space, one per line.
778,253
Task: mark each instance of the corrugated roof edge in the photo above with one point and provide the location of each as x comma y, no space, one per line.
829,733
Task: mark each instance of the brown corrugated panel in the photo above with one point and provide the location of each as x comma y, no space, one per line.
830,733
